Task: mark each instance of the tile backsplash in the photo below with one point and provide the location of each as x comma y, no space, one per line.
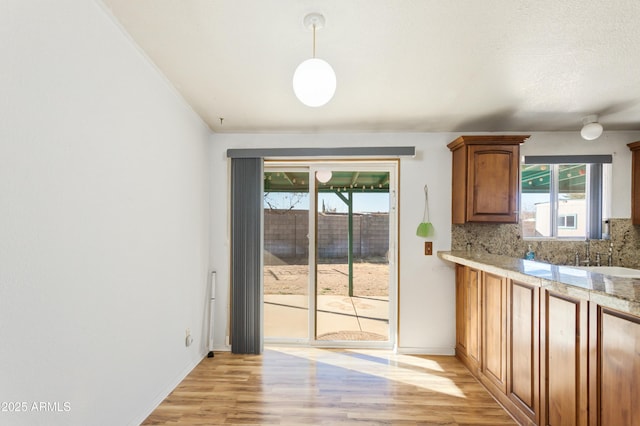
506,239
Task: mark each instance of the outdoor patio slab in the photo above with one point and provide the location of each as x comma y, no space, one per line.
287,315
371,307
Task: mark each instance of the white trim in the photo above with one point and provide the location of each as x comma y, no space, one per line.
390,166
426,351
166,390
337,153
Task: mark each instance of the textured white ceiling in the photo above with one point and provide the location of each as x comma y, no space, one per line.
401,65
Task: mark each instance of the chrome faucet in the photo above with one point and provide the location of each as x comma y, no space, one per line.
587,261
610,255
598,258
588,253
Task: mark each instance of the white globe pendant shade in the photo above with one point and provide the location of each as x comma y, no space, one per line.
314,82
323,176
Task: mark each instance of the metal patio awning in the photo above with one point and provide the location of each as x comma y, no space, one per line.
352,181
536,178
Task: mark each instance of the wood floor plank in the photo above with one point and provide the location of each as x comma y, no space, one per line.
311,386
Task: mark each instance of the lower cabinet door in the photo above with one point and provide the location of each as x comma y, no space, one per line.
494,331
461,311
468,317
474,305
564,392
615,368
524,339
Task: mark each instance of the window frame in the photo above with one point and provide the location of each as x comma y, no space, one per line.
594,192
564,225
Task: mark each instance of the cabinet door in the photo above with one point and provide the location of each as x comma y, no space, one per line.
524,355
494,330
459,186
468,316
564,360
461,311
635,182
615,368
492,188
473,318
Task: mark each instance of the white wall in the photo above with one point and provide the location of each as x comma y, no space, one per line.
104,227
427,311
426,294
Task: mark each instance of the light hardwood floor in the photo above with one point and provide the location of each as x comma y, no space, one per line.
296,386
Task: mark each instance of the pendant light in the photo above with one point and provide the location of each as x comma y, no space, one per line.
314,81
323,175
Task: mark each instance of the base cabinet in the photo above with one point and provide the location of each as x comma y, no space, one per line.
550,358
500,351
614,368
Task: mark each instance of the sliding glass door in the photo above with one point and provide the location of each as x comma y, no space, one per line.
330,250
286,253
352,255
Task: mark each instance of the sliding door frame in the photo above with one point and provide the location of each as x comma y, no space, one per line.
312,165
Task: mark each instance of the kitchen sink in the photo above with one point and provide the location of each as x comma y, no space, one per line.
614,271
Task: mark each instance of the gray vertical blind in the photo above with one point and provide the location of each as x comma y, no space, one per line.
246,255
594,202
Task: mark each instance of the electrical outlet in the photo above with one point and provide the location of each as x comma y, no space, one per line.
428,248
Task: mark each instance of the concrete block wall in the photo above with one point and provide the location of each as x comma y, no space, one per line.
374,235
286,236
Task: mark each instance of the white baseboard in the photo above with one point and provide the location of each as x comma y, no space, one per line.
166,391
426,351
401,350
224,348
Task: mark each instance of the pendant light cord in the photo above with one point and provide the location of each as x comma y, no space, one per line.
426,204
314,40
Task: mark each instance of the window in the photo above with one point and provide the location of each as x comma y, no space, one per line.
564,196
567,221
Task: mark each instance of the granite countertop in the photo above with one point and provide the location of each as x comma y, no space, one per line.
618,293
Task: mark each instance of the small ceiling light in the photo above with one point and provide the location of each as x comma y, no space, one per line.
591,129
323,176
314,81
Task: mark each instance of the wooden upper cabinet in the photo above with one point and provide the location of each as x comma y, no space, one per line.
635,182
486,178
